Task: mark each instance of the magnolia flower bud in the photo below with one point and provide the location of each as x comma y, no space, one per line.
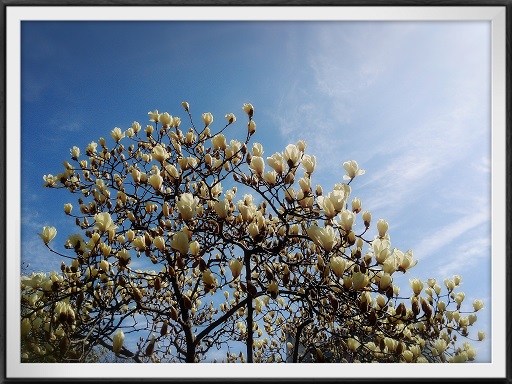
301,144
194,248
235,266
48,234
338,265
208,278
221,208
251,127
104,265
179,242
185,105
219,141
407,355
253,229
440,345
257,149
25,327
450,285
291,155
481,335
136,127
385,281
249,109
166,120
416,285
347,219
351,237
356,205
231,118
159,243
359,280
270,177
367,218
382,227
257,165
352,169
478,304
75,152
381,301
305,184
118,341
309,163
67,208
156,181
207,118
117,134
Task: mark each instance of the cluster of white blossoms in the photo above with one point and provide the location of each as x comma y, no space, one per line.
168,249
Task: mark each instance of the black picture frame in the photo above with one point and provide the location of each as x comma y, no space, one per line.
4,221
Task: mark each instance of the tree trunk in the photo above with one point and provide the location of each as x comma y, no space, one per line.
250,337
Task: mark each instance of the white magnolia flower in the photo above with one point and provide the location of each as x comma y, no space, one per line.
235,266
118,341
231,118
179,242
154,116
323,236
249,109
104,222
166,120
187,205
207,118
352,169
277,162
159,153
117,134
48,234
291,155
257,165
309,163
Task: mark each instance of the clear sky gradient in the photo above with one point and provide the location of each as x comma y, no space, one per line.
409,101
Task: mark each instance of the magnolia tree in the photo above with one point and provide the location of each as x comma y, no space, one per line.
170,262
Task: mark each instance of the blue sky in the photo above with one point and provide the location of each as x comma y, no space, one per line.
409,101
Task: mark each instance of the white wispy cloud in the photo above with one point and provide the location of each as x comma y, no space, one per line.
440,237
64,124
427,112
466,256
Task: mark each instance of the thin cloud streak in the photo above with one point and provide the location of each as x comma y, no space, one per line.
465,256
352,71
442,236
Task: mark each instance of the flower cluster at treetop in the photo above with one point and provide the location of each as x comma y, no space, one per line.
168,250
